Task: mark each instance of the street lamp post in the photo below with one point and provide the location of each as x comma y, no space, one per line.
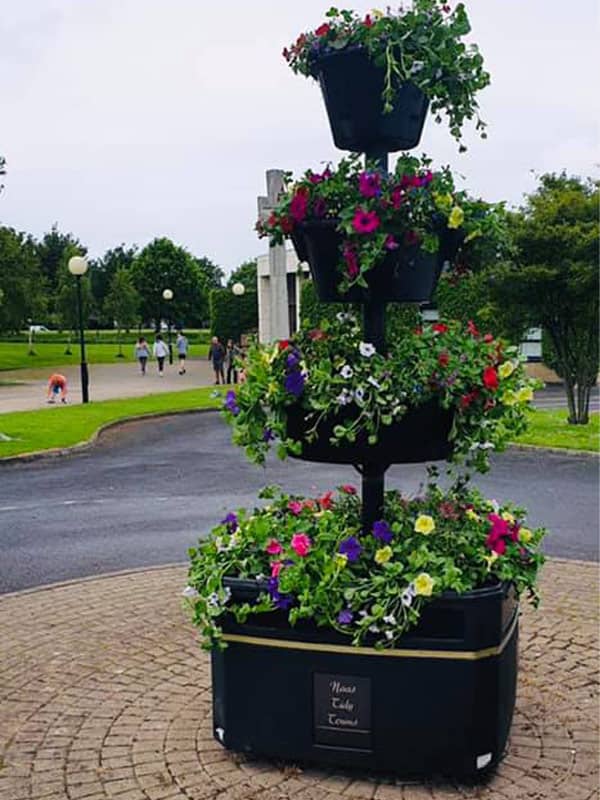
238,289
78,266
168,296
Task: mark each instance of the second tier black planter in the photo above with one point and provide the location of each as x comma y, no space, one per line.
406,275
441,701
421,435
352,87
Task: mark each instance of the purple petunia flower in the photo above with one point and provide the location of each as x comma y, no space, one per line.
345,616
293,359
231,403
282,601
231,521
294,383
351,548
268,435
381,531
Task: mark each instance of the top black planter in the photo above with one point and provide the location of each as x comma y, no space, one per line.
352,87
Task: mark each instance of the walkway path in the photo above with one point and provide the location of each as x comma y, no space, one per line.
107,381
104,694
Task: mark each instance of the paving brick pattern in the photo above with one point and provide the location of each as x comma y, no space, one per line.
104,694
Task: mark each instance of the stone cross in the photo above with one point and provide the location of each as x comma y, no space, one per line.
277,314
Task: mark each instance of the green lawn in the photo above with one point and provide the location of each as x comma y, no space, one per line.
64,426
14,355
551,429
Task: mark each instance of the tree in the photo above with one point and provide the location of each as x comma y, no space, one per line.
122,303
54,251
103,271
232,315
213,275
246,275
21,282
553,280
163,265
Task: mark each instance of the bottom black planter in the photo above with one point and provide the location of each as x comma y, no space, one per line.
441,703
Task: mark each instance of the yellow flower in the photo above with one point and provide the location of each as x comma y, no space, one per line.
525,395
525,535
340,560
442,201
508,517
490,560
506,369
424,524
383,555
470,514
509,398
272,388
424,584
456,218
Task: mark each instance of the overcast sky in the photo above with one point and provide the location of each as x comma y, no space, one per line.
123,120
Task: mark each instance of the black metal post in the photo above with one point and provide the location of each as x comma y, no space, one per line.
84,368
373,475
169,342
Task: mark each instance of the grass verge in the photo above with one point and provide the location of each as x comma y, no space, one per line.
551,429
15,355
65,426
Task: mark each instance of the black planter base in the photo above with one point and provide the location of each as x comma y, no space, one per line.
421,435
439,704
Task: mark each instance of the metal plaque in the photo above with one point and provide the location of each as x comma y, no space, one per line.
342,711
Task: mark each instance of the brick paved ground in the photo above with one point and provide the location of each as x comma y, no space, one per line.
104,694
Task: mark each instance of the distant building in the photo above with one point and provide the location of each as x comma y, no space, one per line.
264,294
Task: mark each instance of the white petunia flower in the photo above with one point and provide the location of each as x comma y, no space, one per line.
213,600
346,371
344,398
366,349
389,636
406,598
373,629
189,591
359,394
373,382
390,619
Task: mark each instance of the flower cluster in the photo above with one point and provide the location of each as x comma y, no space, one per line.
310,560
421,45
481,378
376,215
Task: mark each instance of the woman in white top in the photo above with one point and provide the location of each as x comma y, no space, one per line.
160,351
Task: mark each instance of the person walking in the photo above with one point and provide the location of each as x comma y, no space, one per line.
57,384
142,353
216,354
182,344
160,351
232,352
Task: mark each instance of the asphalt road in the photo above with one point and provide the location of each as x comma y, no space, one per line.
146,492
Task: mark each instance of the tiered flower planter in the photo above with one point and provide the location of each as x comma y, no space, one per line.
441,700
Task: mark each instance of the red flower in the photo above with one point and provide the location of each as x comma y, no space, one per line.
397,198
495,544
299,204
365,221
326,501
471,328
448,510
348,488
323,29
490,378
272,221
489,403
287,225
443,359
488,338
418,331
439,327
284,344
309,504
317,335
467,399
368,21
351,260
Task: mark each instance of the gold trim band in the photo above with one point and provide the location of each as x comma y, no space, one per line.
453,655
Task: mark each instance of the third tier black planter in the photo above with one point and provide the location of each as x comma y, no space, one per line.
406,275
352,87
421,435
441,701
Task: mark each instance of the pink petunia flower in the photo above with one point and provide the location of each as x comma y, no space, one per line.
276,568
365,221
351,259
348,488
391,243
299,204
301,544
295,507
369,184
273,547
